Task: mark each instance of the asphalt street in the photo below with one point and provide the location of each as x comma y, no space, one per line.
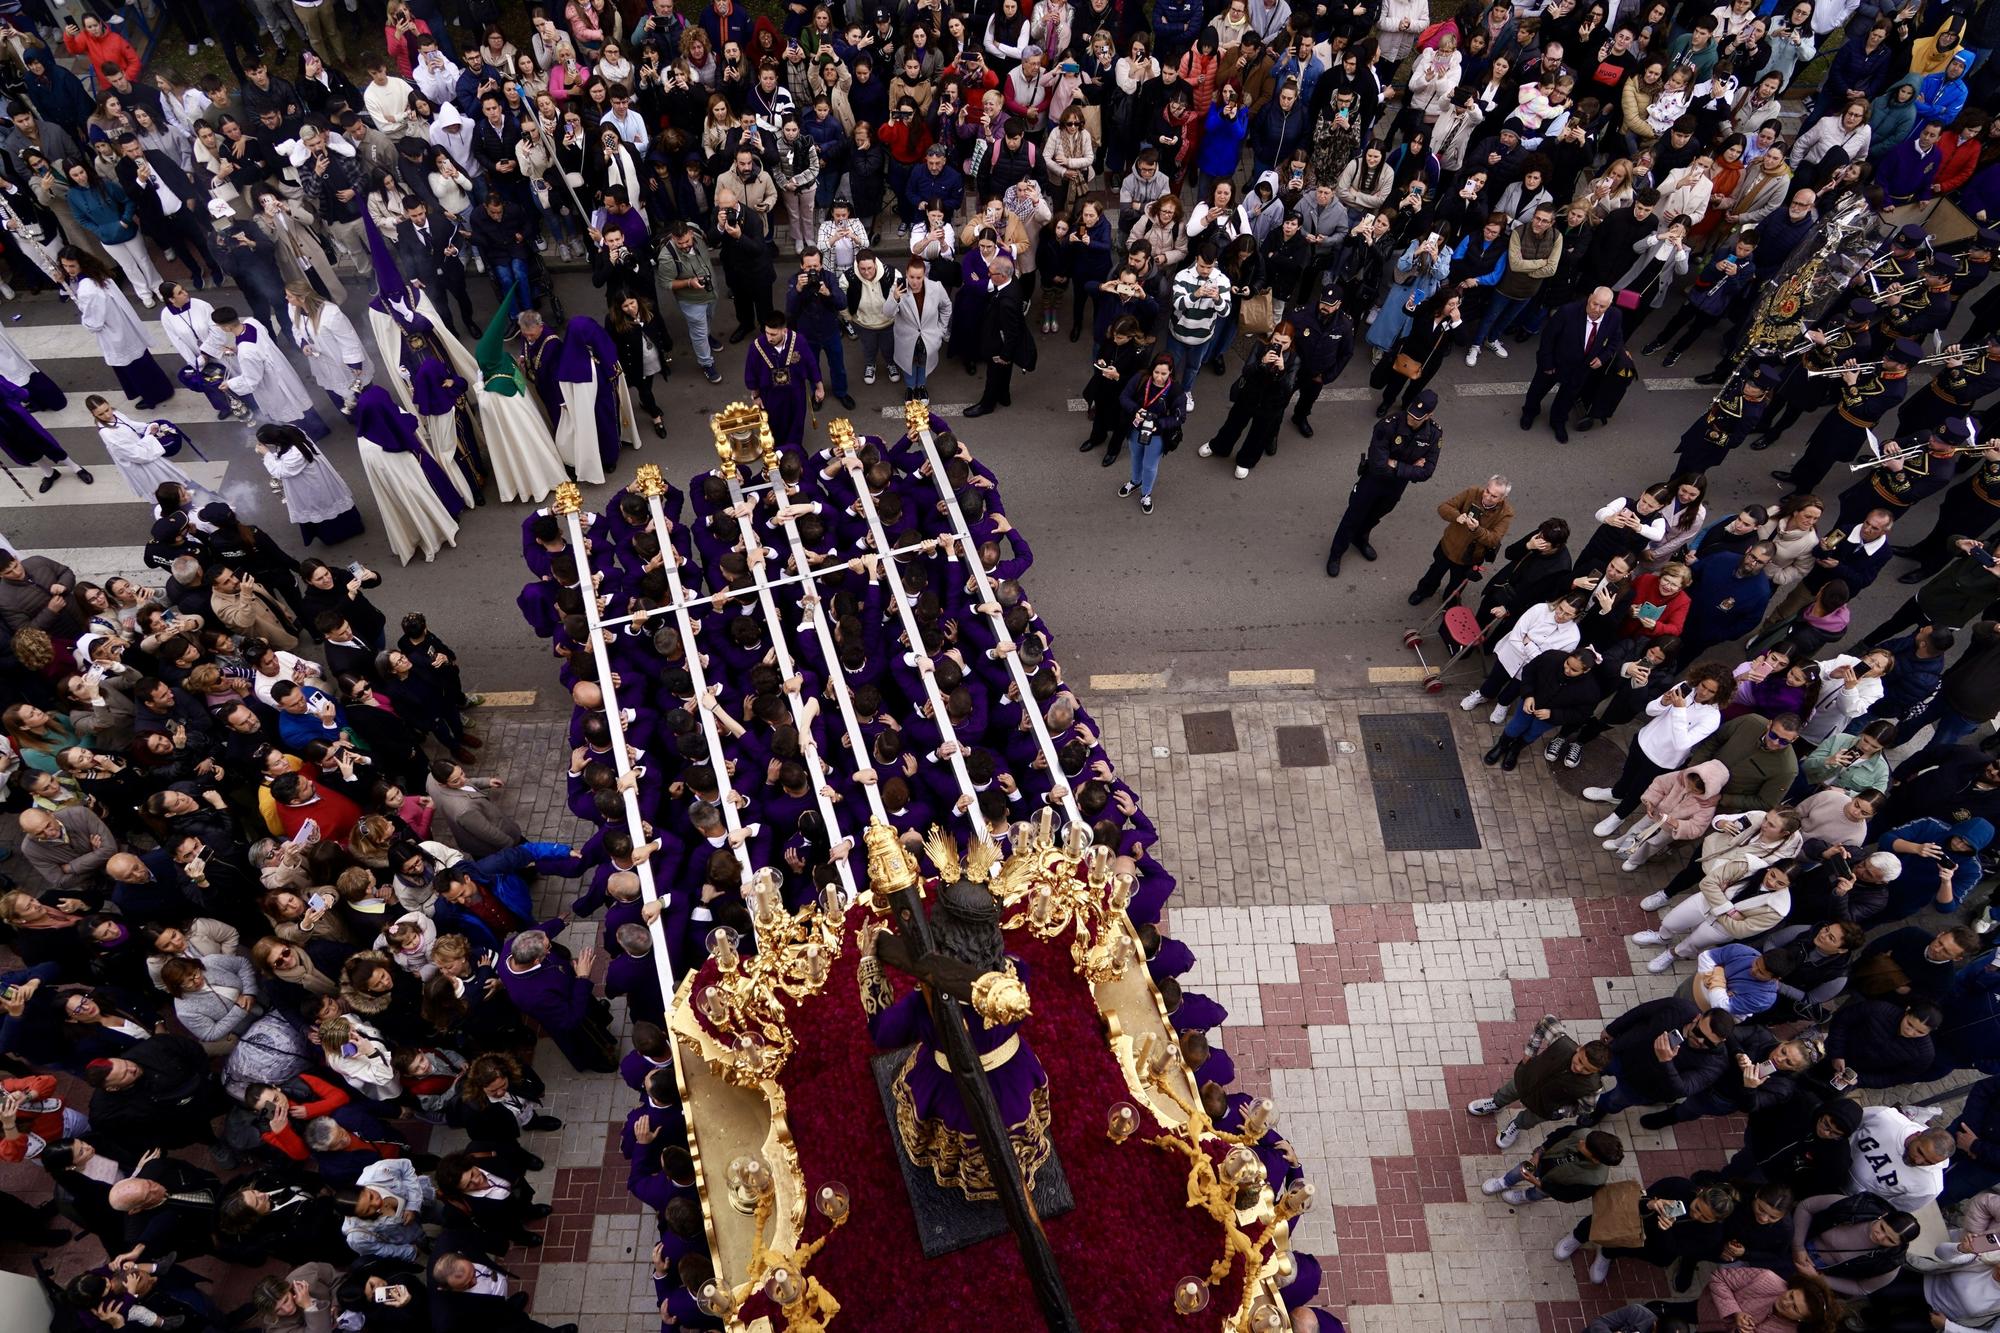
1224,575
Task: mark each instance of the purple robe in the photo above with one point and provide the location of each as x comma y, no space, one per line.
1173,959
1018,1084
786,403
586,346
44,394
379,420
21,436
542,356
1198,1013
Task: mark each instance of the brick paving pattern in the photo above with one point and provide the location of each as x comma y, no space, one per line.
1371,993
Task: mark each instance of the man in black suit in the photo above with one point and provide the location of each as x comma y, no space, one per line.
1584,337
169,207
470,1293
170,1208
1006,342
156,1095
431,251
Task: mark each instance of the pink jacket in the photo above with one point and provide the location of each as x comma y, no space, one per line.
1751,1291
1670,800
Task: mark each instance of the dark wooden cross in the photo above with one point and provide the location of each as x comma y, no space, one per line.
947,981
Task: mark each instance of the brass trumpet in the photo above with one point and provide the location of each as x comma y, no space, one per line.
1953,353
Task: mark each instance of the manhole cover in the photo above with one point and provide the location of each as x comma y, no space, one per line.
1420,797
1209,733
1302,747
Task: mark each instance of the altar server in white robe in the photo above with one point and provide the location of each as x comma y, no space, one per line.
418,504
316,496
121,338
263,374
335,354
142,450
189,323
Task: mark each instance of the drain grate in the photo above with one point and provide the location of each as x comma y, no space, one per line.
1420,797
1302,747
1209,733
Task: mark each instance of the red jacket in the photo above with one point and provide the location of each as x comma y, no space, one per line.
46,1125
107,48
326,1100
334,813
905,140
1960,158
1646,590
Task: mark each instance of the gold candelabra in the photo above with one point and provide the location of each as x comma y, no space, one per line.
744,1003
1052,884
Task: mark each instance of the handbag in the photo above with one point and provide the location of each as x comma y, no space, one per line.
1258,314
1627,298
1614,1216
1407,366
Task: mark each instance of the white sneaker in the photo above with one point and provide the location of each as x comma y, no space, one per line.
1613,844
1498,348
1567,1246
1653,902
542,244
1472,701
1923,1115
148,300
1204,452
1608,825
1663,962
1602,795
1188,406
1600,1268
895,375
1493,1186
1499,714
1508,1133
868,374
1652,937
1481,1106
1472,357
194,48
1634,861
1242,472
1517,1197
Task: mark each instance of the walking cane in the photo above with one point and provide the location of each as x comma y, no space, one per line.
17,483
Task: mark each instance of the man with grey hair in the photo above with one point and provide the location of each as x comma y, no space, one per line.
1475,523
469,1293
546,986
68,848
1580,340
1004,342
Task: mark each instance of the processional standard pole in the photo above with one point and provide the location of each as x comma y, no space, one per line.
568,506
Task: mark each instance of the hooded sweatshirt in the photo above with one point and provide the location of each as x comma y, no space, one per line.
1683,813
1891,118
1940,97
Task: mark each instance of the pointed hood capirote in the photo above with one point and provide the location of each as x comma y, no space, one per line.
496,364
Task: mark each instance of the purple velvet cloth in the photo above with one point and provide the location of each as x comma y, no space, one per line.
933,1091
587,345
21,436
378,420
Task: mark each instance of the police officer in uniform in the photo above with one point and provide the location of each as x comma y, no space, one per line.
1402,449
1801,393
1866,398
1970,509
1728,422
1954,391
1325,343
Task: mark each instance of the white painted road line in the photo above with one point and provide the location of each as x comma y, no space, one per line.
57,342
1676,384
1503,389
95,564
108,488
1281,676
